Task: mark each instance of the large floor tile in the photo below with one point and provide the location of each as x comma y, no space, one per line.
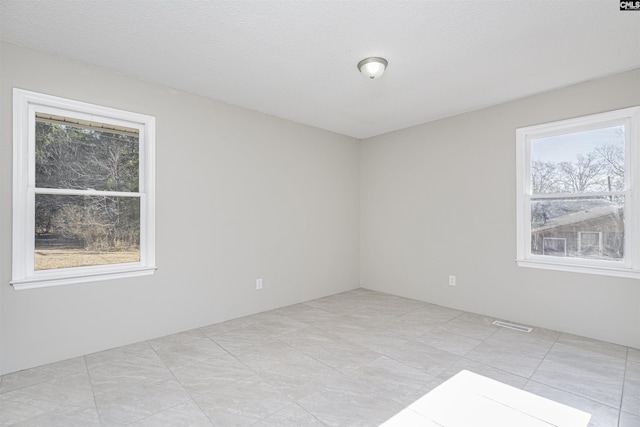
348,325
423,357
434,313
350,403
261,317
469,365
470,329
136,372
370,316
593,346
341,355
223,327
519,361
136,402
17,406
268,355
242,403
565,375
376,338
537,342
181,355
212,374
176,339
629,420
400,329
243,337
497,374
631,390
312,337
445,340
186,414
335,305
290,416
601,415
300,378
307,314
282,325
75,389
46,399
393,379
586,359
65,416
118,354
391,307
415,324
589,368
42,374
477,318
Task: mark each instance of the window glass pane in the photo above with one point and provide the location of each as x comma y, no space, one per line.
578,227
579,162
74,231
81,158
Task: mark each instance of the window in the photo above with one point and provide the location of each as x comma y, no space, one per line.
83,192
554,246
578,181
590,243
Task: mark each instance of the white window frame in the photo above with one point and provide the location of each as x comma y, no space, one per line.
25,106
630,267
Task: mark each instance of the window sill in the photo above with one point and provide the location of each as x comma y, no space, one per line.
47,280
581,268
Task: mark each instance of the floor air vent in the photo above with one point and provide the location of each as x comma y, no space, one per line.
513,326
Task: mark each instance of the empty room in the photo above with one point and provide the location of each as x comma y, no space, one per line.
320,213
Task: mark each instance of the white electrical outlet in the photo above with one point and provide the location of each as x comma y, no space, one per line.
452,280
259,283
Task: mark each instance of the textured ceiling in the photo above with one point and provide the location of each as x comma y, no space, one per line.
297,59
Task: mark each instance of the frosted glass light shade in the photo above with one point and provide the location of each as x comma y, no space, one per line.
372,68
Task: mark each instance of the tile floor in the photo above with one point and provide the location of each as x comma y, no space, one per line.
352,359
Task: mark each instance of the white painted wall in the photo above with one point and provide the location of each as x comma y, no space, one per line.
240,195
440,199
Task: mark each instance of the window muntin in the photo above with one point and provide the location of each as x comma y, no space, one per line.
83,192
575,186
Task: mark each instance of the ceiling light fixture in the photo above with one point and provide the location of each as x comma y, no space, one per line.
372,68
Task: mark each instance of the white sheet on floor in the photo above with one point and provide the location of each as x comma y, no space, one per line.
471,400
